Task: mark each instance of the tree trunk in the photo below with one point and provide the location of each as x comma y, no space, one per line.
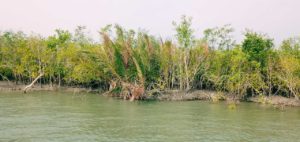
295,94
32,83
269,77
50,81
5,78
41,82
296,97
180,73
186,70
59,80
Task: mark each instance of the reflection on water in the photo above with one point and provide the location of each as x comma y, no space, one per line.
45,116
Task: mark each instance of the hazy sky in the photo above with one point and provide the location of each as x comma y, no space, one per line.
278,18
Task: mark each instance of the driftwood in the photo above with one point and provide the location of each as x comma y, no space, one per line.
32,83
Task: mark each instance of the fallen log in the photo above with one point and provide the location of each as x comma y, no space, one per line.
32,83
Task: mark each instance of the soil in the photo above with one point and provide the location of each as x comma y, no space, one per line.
168,95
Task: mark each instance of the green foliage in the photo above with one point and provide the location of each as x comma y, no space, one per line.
119,65
257,47
152,74
61,38
184,32
136,58
291,46
219,37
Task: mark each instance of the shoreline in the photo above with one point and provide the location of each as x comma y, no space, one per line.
214,96
46,87
167,95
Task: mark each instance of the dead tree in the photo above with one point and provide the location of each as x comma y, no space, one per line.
32,83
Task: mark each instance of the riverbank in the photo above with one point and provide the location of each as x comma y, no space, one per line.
168,95
275,100
214,96
177,95
5,86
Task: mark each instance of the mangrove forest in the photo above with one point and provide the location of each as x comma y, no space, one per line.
131,63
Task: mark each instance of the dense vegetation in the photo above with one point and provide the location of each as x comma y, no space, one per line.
127,61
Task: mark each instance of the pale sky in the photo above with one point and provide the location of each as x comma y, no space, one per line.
278,18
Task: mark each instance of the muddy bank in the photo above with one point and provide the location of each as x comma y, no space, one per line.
275,100
176,95
5,86
168,95
206,95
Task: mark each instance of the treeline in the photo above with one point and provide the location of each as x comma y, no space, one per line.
127,60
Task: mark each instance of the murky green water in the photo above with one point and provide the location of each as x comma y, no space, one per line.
44,116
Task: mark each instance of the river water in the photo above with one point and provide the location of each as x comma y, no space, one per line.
67,117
